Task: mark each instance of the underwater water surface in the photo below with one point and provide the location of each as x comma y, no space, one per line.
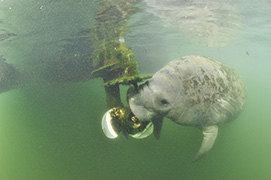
52,129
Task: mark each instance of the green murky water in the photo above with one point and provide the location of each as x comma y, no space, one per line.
52,130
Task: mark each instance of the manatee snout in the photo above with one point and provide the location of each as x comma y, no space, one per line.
140,102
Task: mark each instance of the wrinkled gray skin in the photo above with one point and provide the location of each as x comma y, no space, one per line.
191,91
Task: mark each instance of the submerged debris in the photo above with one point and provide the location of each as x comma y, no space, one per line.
112,60
127,80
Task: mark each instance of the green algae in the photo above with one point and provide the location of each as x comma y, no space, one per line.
112,59
127,80
108,38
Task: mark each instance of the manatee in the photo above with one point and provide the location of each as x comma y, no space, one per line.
191,91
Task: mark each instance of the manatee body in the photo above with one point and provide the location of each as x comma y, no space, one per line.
191,91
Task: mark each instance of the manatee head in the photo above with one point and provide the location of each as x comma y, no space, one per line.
140,101
149,102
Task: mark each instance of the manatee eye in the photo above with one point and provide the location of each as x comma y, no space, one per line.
164,102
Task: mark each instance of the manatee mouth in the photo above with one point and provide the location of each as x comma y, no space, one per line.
139,99
140,111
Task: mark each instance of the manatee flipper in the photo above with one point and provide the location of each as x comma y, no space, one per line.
209,137
157,127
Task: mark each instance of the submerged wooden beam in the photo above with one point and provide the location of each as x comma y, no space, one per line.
113,96
112,59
